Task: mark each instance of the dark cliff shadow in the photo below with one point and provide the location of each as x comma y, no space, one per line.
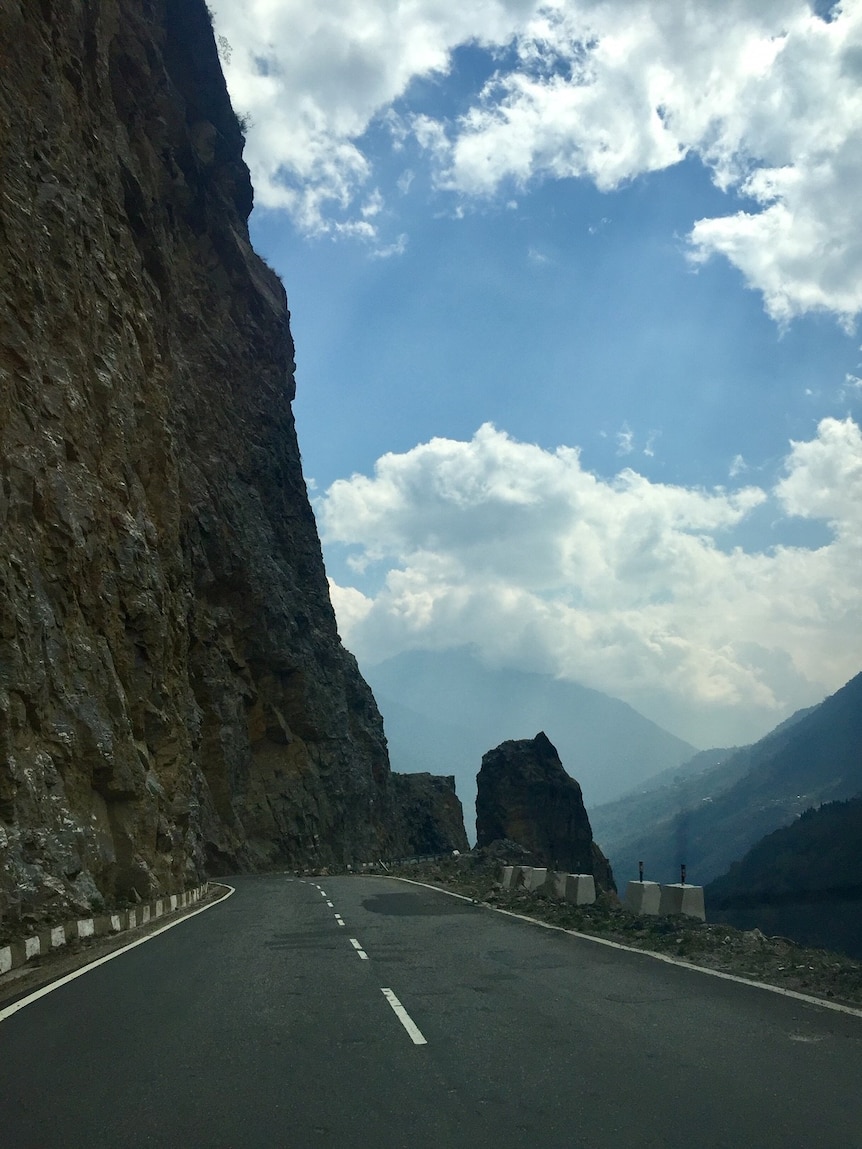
416,905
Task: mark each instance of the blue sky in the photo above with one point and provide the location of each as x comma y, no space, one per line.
622,240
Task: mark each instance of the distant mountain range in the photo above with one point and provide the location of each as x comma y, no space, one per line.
443,710
714,809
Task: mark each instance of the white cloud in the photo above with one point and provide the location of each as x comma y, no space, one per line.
350,605
622,585
625,440
767,94
314,76
824,479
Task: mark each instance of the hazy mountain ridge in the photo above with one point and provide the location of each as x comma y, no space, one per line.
464,708
814,757
803,880
818,854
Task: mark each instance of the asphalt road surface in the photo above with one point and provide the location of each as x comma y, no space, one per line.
365,1012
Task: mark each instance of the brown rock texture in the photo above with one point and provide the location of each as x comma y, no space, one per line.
525,795
174,697
431,819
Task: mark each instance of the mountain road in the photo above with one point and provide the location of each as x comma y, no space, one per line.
360,1011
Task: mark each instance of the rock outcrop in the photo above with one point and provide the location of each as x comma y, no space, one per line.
525,795
174,697
431,819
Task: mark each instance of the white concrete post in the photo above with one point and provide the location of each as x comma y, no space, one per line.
643,897
686,900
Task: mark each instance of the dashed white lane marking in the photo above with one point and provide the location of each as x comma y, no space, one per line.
46,989
404,1017
329,904
339,919
323,893
359,949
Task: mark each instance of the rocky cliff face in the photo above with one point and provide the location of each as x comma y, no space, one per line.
431,820
173,693
525,795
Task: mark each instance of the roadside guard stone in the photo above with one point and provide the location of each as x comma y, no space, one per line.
579,889
643,897
536,879
686,900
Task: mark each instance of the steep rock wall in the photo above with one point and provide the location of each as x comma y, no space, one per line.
430,815
173,693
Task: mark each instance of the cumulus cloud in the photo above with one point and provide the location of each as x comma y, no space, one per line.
626,585
314,76
767,95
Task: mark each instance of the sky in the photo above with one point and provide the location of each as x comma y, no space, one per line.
575,289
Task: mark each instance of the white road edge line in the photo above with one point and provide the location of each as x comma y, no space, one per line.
46,989
806,997
404,1017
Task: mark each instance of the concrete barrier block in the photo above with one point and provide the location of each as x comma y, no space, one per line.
145,915
58,937
85,927
5,959
558,881
538,877
680,899
19,953
520,877
32,948
643,897
580,889
160,908
506,877
173,902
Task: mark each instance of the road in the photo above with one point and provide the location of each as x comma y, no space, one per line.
258,1023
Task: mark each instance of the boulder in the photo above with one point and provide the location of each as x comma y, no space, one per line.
525,795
